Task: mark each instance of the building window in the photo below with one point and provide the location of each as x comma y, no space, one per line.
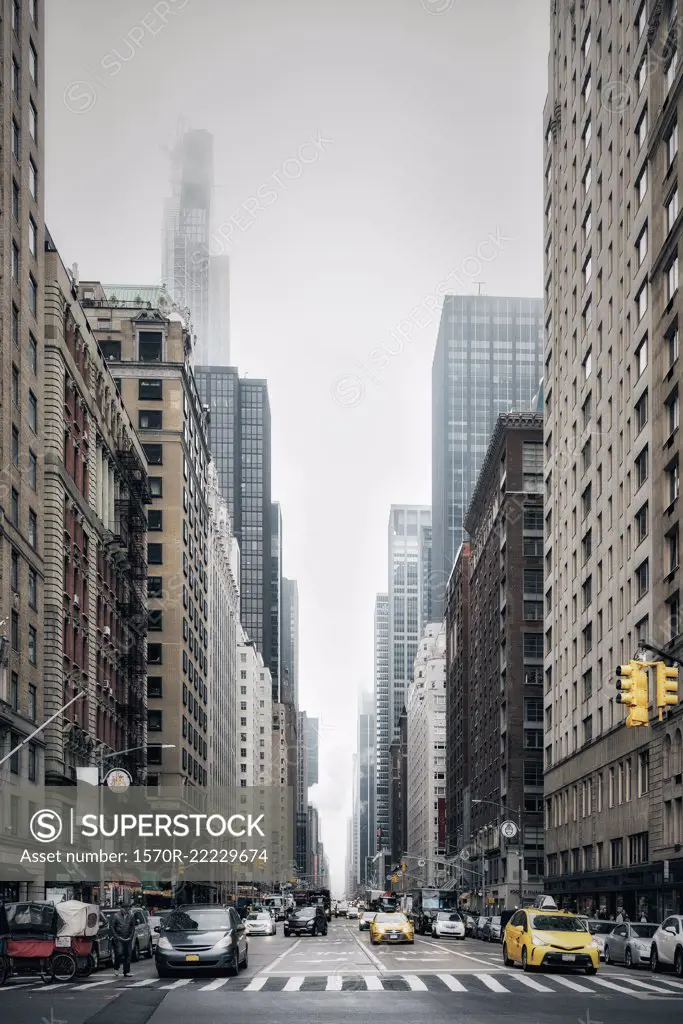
16,139
642,576
32,646
641,185
154,454
15,262
155,620
672,410
641,246
638,851
671,540
150,346
32,470
150,390
33,120
640,412
155,486
532,466
32,702
15,325
150,419
671,482
672,279
154,720
641,467
32,528
111,350
14,571
588,729
32,587
671,208
33,178
641,523
617,852
155,754
586,366
155,519
641,302
15,508
155,586
154,654
641,130
33,353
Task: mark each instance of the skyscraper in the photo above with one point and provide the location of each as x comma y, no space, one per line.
364,791
409,536
289,644
382,721
275,657
239,438
312,725
488,360
186,231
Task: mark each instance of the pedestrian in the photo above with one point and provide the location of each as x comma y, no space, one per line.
123,933
620,917
643,918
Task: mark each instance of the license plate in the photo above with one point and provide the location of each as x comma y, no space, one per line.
568,957
191,958
63,942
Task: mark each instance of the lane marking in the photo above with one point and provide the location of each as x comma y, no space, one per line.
294,984
668,981
142,984
94,984
644,984
416,984
535,985
452,983
572,984
180,983
619,988
491,983
375,961
214,985
334,983
467,956
373,983
290,949
256,984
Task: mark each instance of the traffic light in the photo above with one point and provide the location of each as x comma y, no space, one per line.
633,691
667,687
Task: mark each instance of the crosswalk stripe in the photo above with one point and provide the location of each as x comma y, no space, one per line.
334,983
643,984
668,981
615,987
94,984
574,985
213,985
535,985
452,983
180,983
491,983
257,984
416,984
373,983
294,984
142,984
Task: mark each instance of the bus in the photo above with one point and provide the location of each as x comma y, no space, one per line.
426,903
276,904
381,900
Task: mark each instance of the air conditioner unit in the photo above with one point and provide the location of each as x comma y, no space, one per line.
107,631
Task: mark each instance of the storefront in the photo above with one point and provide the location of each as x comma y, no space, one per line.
654,890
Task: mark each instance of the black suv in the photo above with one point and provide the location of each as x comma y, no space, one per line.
306,921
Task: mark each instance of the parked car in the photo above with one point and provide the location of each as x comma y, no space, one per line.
365,920
197,936
448,924
142,943
491,930
307,921
352,913
667,945
102,948
629,943
599,930
479,928
156,922
470,925
261,922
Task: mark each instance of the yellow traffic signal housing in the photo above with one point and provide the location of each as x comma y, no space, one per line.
632,685
667,687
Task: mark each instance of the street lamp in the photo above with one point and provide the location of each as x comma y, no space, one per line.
40,728
520,827
100,782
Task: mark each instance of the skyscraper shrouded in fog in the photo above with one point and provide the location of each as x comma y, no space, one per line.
289,644
195,269
239,438
383,730
364,792
488,360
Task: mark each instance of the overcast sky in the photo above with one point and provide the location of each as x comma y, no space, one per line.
427,121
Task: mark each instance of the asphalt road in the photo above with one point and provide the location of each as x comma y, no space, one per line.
321,980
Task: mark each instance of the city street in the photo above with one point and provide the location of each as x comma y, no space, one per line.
319,979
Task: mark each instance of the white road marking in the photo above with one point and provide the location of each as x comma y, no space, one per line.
375,961
180,983
416,984
667,981
452,983
256,984
213,985
94,984
491,983
618,988
536,985
280,958
373,983
644,984
142,984
334,983
294,984
571,984
467,956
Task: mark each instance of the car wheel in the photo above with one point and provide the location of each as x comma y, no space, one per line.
136,952
315,930
607,959
95,957
506,959
591,970
628,958
245,962
655,965
234,966
525,960
678,963
286,931
150,949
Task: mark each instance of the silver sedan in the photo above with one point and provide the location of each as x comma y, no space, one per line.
629,943
261,923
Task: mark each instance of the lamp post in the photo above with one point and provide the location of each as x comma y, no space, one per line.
100,783
520,827
40,728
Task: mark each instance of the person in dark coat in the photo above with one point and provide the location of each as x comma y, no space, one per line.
123,932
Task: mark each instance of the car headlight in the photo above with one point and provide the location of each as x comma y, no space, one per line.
163,943
224,943
538,941
593,945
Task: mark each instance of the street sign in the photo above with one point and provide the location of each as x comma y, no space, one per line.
508,830
465,854
118,779
421,863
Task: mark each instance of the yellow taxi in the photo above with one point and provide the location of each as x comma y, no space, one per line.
544,937
391,928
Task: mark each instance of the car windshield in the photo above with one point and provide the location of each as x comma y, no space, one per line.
600,927
197,920
546,923
445,916
644,931
391,919
259,917
495,920
304,913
